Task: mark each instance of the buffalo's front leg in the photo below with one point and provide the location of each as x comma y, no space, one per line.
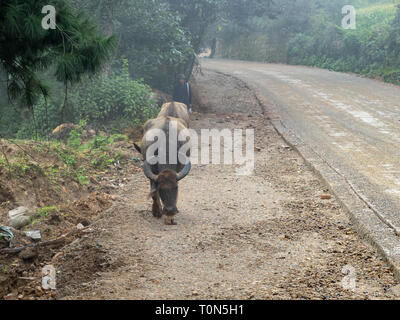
169,220
157,207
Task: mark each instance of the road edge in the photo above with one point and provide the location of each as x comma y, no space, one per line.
365,221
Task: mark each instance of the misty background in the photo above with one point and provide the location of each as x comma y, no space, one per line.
106,60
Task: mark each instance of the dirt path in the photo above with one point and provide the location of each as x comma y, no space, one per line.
265,236
350,122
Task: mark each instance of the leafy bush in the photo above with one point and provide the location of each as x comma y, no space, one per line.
110,102
112,99
392,76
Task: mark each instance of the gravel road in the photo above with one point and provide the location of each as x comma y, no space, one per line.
265,236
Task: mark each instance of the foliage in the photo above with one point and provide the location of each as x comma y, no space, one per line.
150,35
114,99
74,161
47,211
109,101
158,37
74,48
309,32
155,43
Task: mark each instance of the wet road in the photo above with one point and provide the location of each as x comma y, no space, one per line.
353,123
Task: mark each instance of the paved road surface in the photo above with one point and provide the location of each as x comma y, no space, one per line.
351,122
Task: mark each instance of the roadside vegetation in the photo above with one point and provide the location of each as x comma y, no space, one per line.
309,32
100,65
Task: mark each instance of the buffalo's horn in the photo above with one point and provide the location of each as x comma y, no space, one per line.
186,169
147,171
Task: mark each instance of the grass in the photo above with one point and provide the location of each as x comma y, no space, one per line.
46,211
74,159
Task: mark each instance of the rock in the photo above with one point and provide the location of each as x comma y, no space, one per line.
33,234
20,217
87,134
18,212
20,222
80,226
63,131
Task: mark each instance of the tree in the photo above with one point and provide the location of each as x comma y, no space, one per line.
394,38
153,40
73,49
197,16
149,34
239,11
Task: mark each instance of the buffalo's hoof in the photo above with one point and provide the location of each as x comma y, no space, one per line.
169,221
157,215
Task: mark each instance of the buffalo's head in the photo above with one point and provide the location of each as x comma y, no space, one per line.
166,183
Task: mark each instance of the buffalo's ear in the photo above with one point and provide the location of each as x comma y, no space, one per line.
138,149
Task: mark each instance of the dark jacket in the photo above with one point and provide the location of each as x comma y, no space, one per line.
183,93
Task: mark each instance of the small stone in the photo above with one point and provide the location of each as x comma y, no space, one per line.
20,222
281,256
33,234
80,226
38,290
19,212
326,197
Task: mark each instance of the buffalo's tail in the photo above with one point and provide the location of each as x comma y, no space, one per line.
138,149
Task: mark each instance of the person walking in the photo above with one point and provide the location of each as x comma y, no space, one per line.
183,92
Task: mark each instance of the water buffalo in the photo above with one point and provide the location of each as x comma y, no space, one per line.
164,177
175,110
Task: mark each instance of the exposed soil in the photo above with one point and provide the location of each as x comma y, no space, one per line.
33,187
276,234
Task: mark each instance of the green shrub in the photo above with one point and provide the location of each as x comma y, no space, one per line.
392,76
115,98
110,102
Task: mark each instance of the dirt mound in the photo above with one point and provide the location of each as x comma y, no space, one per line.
62,188
94,203
80,263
